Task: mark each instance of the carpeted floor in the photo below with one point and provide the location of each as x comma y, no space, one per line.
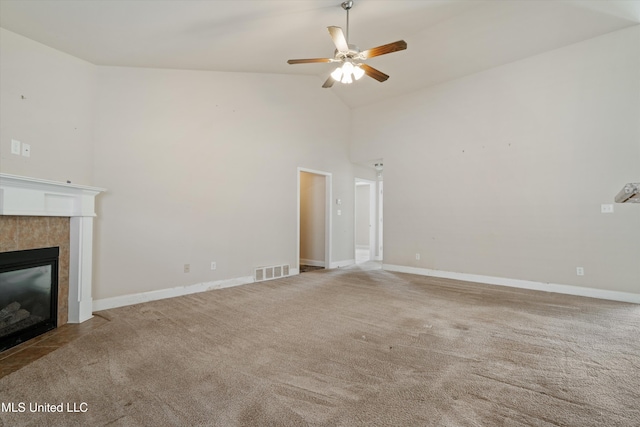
346,347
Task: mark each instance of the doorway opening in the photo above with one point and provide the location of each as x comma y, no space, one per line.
365,211
314,220
368,220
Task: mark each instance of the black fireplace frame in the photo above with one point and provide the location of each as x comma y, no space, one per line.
18,260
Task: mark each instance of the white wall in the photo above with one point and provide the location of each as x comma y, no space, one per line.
55,116
502,173
199,166
202,166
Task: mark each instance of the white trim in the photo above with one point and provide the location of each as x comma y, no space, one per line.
343,263
522,284
25,196
379,221
312,262
124,300
80,268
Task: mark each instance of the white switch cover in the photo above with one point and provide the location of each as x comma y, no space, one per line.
15,147
606,208
213,265
339,212
26,149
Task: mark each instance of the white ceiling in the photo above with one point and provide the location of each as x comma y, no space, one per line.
447,39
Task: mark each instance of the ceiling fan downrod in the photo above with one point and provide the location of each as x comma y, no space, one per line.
347,5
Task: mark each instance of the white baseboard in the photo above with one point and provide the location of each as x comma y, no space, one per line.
344,263
523,284
335,264
311,262
124,300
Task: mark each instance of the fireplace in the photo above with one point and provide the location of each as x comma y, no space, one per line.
37,213
28,294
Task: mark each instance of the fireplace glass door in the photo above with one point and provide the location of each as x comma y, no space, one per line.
28,294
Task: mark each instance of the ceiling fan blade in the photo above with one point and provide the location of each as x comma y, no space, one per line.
328,83
384,49
309,61
338,39
372,72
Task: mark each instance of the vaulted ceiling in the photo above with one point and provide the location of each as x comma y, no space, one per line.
447,39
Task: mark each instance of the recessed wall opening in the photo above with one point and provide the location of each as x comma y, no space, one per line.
28,294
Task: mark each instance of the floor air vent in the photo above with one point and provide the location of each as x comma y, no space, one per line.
272,272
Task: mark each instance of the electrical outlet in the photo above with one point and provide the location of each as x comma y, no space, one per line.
26,149
213,265
580,271
417,256
606,208
187,268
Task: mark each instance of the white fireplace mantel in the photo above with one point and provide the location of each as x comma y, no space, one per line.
24,196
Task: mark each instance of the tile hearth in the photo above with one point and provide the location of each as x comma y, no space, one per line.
23,354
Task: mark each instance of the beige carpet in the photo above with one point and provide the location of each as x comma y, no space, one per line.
346,347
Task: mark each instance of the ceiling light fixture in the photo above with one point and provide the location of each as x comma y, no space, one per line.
350,57
347,73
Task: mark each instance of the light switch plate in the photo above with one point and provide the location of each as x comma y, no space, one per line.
606,208
15,147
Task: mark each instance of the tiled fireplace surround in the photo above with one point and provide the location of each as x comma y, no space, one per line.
36,213
18,233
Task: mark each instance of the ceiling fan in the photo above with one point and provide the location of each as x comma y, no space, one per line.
351,57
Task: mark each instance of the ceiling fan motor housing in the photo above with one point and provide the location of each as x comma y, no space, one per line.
352,53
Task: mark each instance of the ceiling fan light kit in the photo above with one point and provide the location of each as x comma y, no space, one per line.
350,57
347,73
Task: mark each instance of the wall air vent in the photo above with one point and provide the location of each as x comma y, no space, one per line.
630,193
271,272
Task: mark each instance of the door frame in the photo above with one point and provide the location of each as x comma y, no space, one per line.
327,216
